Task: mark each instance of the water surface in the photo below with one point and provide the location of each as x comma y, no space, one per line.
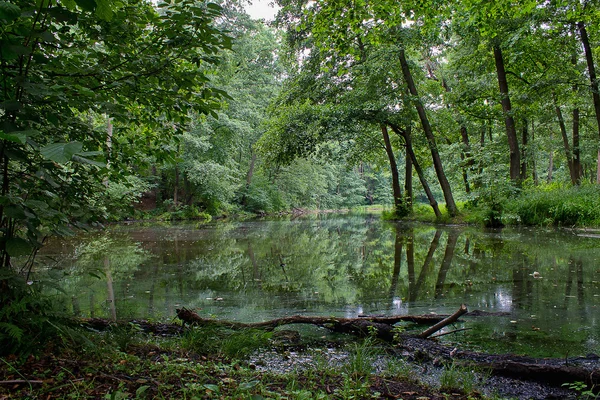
545,282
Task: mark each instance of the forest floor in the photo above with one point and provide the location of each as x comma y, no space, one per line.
124,363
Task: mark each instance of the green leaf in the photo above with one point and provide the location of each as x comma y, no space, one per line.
16,137
103,10
86,5
211,387
248,385
70,4
84,160
61,152
12,330
8,11
15,212
17,247
141,390
11,105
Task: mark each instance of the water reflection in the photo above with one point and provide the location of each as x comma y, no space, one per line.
338,265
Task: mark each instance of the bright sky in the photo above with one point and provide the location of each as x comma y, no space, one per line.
262,9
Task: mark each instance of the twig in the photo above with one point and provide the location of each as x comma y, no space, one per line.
13,381
447,333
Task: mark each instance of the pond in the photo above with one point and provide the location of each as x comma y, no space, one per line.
541,286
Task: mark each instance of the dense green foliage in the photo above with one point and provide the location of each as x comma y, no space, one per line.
64,67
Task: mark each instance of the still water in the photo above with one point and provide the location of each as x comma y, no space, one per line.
542,286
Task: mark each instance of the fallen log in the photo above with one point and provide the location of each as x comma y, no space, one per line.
382,326
550,371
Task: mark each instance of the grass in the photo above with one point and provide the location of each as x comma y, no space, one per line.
459,378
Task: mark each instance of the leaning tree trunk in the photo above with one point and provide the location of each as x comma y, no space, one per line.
589,57
509,121
408,183
411,154
398,201
437,161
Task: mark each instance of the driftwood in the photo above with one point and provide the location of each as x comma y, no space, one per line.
362,326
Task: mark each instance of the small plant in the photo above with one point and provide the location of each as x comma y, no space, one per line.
242,343
361,358
458,378
583,389
397,332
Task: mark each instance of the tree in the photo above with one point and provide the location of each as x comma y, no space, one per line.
348,33
63,63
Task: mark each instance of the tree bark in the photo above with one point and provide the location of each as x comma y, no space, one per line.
565,139
524,149
589,58
550,162
408,182
409,150
509,121
532,154
465,156
397,192
437,162
576,151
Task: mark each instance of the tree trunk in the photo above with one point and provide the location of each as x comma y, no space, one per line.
589,57
509,121
550,162
465,156
576,151
176,188
532,154
437,162
524,149
408,182
565,139
398,201
411,154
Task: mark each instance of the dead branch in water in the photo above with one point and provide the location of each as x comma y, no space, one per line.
362,326
447,321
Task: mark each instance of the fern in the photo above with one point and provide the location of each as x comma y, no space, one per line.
12,331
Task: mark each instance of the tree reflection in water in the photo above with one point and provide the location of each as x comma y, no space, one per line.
334,265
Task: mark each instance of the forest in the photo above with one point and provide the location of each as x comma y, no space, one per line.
467,112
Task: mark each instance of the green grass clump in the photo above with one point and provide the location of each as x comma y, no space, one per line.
458,378
556,206
216,340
